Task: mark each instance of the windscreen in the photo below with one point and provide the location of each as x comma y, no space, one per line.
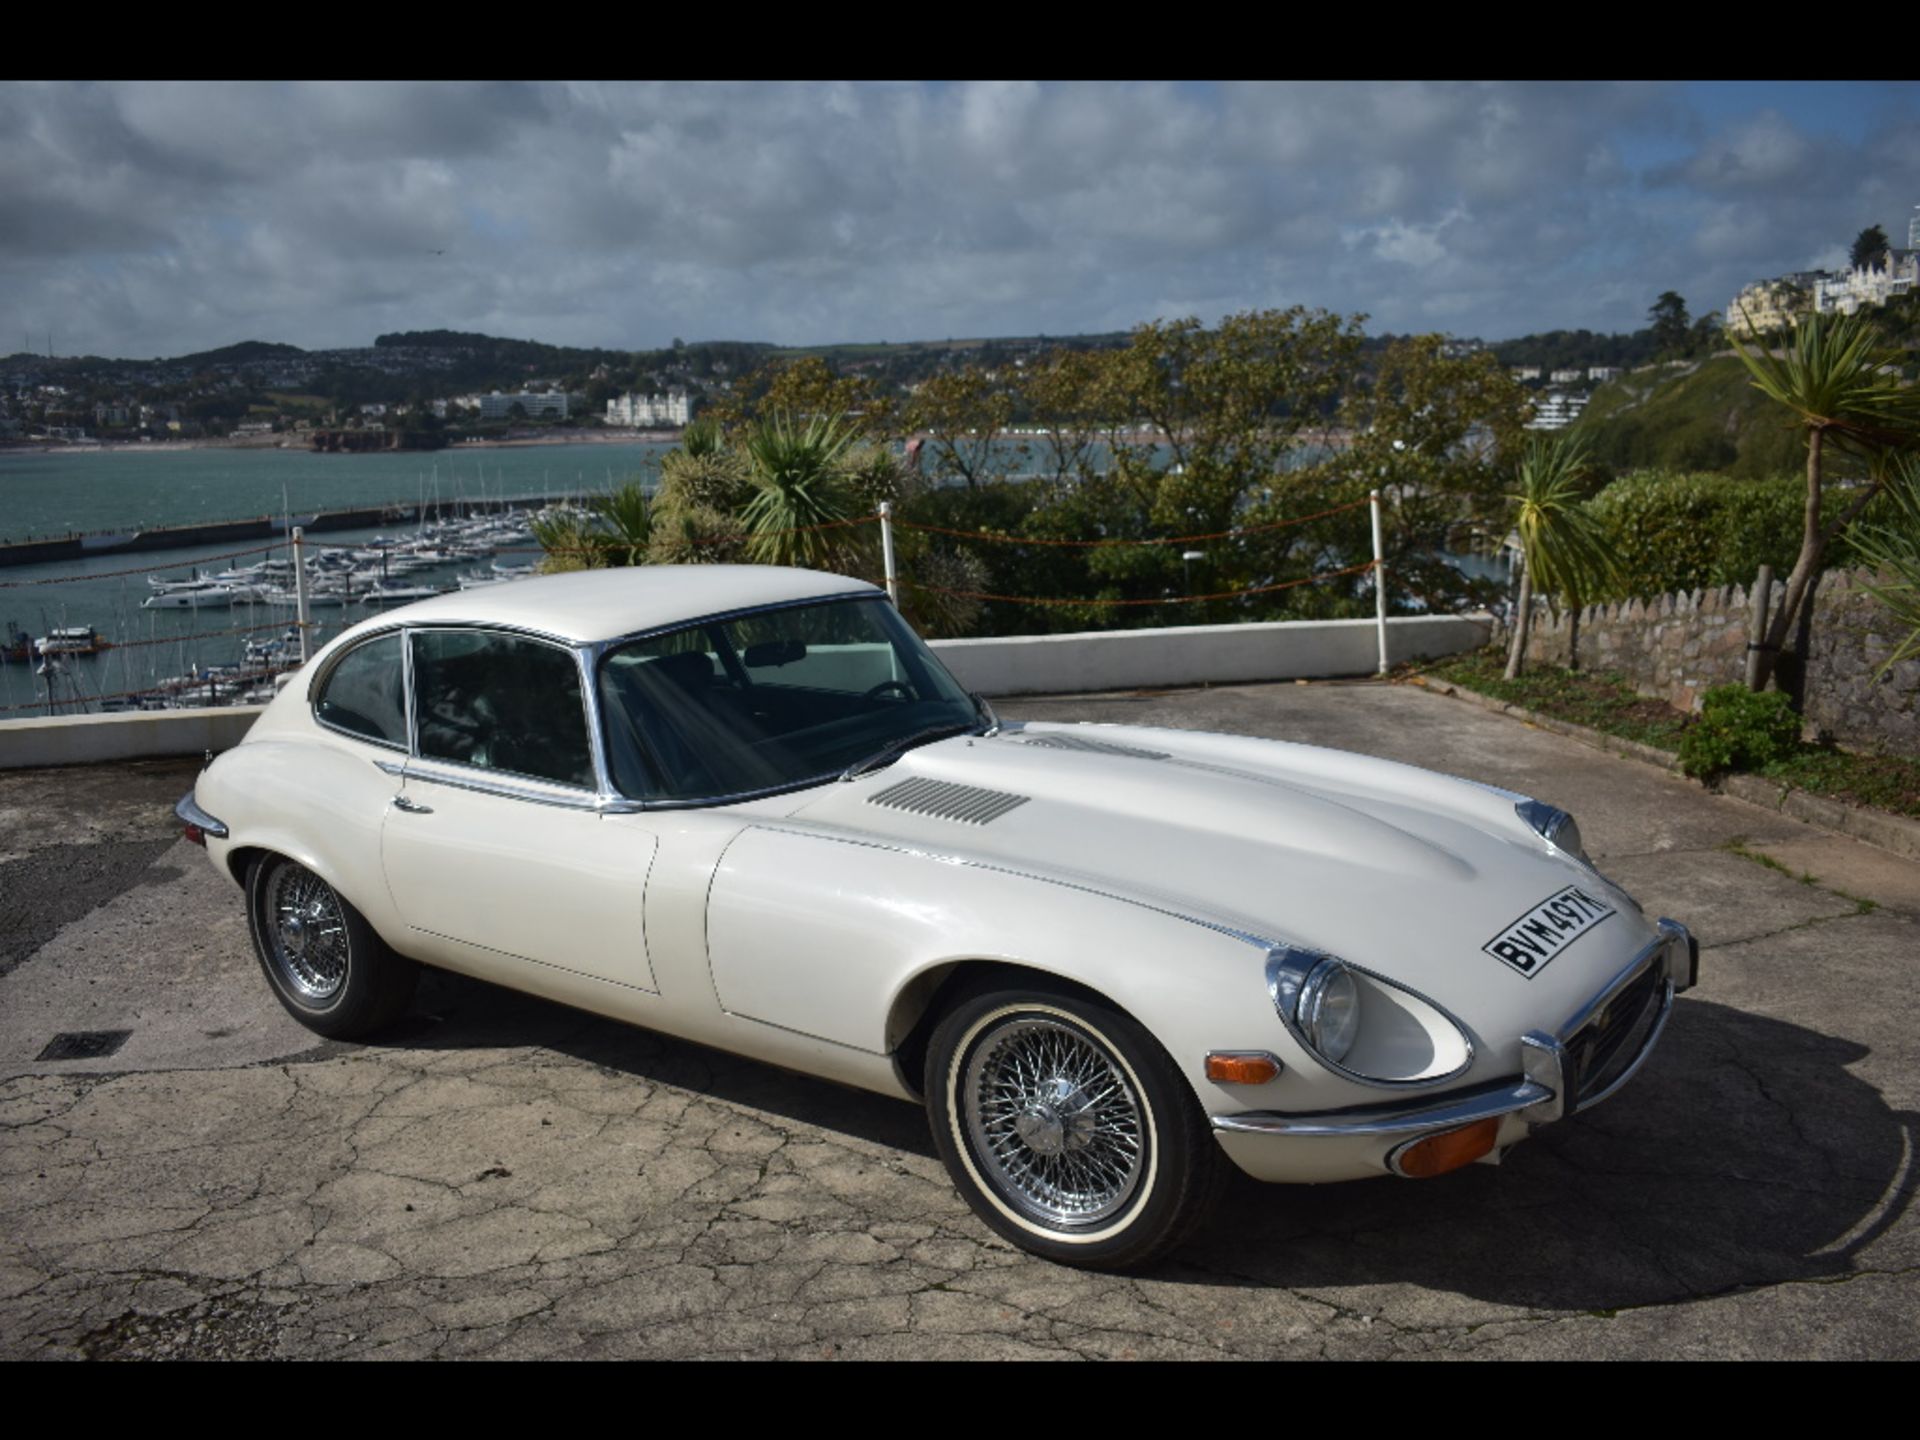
770,700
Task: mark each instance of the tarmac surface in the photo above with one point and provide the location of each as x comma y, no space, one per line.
503,1177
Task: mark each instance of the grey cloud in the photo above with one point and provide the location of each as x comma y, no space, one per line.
140,219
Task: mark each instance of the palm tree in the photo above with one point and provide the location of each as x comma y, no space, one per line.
1563,552
625,519
800,487
1892,547
615,529
1844,389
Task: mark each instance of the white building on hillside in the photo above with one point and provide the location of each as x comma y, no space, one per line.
1602,373
634,409
1556,410
1868,284
532,403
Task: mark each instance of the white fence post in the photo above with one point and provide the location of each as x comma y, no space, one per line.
886,551
300,587
1379,579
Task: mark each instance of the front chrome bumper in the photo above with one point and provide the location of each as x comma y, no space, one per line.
1559,1077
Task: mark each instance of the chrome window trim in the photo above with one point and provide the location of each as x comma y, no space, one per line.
482,782
593,797
318,684
1296,962
719,617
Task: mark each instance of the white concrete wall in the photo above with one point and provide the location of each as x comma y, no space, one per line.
1013,665
137,734
1201,654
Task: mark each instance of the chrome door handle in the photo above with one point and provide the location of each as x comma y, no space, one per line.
400,802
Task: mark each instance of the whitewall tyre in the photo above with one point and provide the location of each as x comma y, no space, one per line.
1067,1127
324,962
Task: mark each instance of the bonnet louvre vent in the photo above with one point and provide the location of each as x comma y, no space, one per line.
945,800
1055,741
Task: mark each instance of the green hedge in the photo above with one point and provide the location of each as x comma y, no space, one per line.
1671,531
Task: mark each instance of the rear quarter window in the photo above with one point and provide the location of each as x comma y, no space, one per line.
365,693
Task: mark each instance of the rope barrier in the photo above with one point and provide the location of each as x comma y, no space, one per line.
207,634
1165,600
1167,540
142,569
700,539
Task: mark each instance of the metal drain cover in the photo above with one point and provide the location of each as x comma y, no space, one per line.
84,1044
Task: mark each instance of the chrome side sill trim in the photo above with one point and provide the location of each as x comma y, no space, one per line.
189,813
1502,1098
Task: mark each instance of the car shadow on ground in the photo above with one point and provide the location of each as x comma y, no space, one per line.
1744,1153
455,1012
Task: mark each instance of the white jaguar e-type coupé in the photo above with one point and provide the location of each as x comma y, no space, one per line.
748,806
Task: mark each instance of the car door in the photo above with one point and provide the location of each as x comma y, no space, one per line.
494,841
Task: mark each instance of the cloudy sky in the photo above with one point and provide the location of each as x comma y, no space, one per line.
147,219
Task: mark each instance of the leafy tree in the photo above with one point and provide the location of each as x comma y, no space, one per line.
1869,248
1845,392
1672,330
1705,336
1563,550
962,414
1436,433
804,389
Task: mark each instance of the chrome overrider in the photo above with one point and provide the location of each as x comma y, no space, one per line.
1543,1093
189,813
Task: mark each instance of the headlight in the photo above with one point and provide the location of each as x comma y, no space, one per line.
1362,1025
1328,1009
1552,825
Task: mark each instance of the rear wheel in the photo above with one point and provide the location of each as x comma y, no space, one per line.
329,969
1068,1128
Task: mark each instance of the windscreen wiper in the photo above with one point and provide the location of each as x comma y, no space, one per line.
894,749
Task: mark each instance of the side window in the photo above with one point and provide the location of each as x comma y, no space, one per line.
498,702
365,693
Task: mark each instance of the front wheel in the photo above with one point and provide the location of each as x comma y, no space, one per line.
1067,1128
328,968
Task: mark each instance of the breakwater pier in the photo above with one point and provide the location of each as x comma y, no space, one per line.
53,549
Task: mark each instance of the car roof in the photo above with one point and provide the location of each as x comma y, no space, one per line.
584,606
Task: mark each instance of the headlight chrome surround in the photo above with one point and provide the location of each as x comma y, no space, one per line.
1553,825
1303,984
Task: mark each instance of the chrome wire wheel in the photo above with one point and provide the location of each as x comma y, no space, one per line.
306,934
1054,1121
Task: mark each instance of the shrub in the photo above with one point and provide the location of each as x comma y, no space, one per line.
1739,730
1673,531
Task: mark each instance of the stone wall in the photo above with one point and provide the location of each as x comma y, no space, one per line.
1677,646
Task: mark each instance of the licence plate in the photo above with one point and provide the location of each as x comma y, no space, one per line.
1532,941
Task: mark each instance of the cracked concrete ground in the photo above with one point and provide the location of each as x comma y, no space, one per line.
503,1177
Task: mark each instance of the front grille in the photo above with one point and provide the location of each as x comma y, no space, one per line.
1603,1049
